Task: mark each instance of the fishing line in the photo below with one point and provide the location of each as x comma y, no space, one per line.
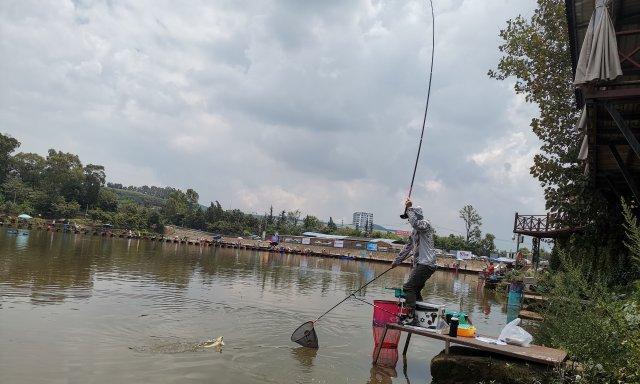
375,306
353,294
305,334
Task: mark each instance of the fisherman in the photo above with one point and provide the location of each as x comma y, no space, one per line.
421,247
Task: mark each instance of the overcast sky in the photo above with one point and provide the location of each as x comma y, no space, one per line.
297,104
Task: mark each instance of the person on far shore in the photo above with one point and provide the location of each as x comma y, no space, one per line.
421,247
491,269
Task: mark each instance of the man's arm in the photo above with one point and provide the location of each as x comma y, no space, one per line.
406,251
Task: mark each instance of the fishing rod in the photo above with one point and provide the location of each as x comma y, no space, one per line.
426,107
305,334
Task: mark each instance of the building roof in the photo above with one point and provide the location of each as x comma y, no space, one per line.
324,235
381,240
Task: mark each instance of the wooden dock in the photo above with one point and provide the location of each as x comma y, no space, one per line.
534,353
530,315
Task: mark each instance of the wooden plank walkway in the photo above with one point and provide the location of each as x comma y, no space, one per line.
534,353
530,315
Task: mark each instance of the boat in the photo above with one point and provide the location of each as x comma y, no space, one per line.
492,281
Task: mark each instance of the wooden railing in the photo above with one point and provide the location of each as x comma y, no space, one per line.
631,59
530,224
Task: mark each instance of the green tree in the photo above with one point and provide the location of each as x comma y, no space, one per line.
94,178
65,209
331,226
214,213
63,175
450,243
192,198
16,190
29,167
7,146
176,208
536,53
195,218
107,200
472,223
154,222
293,217
632,230
281,221
311,224
270,217
486,246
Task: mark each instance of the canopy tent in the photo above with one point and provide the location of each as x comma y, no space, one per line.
599,58
504,260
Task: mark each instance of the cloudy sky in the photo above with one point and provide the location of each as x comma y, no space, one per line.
297,104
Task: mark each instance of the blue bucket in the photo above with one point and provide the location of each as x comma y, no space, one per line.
515,293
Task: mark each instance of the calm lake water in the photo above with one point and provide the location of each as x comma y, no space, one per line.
78,309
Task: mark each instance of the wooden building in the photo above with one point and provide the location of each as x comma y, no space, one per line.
611,124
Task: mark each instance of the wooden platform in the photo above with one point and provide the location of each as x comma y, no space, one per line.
534,297
534,353
530,315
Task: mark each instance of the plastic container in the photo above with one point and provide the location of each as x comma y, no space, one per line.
453,327
466,330
462,317
515,293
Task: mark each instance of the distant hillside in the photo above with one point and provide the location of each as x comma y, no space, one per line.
137,197
140,198
377,227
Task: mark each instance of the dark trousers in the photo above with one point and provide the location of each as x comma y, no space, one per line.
418,278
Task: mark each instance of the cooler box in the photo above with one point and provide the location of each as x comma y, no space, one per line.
429,315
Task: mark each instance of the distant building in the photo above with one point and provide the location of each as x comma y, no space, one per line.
362,220
402,233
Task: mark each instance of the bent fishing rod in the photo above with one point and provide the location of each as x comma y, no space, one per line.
426,107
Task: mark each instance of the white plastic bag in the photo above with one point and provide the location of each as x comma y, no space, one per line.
513,334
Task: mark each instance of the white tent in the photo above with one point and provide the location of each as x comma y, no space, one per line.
599,53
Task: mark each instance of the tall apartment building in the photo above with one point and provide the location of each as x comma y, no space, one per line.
362,220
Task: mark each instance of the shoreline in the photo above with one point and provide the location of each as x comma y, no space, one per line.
246,244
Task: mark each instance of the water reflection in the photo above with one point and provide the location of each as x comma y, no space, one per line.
305,356
381,375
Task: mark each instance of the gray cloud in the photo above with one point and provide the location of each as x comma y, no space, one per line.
310,105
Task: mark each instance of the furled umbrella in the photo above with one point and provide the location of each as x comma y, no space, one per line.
599,58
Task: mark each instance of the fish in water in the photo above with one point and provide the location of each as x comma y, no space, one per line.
217,344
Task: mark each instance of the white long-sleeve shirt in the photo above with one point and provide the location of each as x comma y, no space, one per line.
420,244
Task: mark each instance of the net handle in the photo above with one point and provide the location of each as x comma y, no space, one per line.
352,293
